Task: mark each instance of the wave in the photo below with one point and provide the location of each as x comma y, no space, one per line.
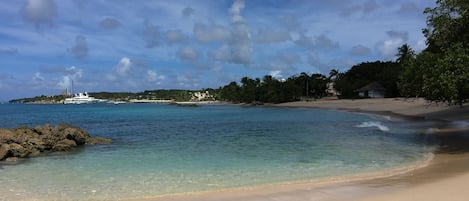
376,124
461,124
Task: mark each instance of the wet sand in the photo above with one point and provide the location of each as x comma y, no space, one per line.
443,178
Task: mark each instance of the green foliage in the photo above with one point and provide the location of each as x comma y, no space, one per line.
174,94
413,73
271,90
40,99
447,24
441,73
118,96
448,79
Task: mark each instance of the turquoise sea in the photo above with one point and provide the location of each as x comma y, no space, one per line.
162,149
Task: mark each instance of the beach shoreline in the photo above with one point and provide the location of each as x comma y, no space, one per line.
433,179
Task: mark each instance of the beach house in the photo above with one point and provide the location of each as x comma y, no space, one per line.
372,90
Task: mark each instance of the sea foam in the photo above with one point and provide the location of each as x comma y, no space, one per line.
376,124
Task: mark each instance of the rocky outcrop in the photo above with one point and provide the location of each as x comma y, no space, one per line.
27,142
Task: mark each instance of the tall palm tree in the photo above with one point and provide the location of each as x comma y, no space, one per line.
404,53
333,74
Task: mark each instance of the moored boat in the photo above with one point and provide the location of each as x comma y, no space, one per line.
81,98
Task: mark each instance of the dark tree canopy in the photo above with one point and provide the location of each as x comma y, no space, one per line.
441,72
272,90
385,73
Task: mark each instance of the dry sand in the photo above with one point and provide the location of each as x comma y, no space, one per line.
415,107
445,177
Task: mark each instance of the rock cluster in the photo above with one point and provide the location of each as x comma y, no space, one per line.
27,142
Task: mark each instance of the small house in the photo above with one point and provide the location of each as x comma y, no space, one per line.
372,90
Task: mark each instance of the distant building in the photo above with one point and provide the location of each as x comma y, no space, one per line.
372,90
331,89
201,96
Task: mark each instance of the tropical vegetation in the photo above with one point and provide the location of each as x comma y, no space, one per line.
440,72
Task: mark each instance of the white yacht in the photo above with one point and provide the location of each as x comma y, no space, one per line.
81,98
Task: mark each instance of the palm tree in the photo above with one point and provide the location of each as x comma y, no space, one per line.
333,74
404,53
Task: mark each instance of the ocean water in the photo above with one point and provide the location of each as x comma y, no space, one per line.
162,149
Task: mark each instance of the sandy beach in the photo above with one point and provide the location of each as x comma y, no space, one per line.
413,107
443,178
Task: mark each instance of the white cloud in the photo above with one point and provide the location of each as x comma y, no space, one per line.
290,23
39,11
65,83
187,80
388,48
211,33
325,42
420,46
221,54
241,45
304,40
321,42
276,74
264,36
188,53
289,58
235,11
123,67
175,36
72,74
152,76
38,77
236,39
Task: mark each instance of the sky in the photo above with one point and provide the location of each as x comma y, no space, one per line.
137,45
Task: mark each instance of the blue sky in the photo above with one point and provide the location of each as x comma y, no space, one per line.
124,45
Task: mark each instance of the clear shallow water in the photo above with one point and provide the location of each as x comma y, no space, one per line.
162,149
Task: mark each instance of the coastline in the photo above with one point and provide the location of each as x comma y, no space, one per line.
411,107
440,178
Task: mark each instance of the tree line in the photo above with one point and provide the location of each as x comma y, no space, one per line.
314,86
439,73
273,90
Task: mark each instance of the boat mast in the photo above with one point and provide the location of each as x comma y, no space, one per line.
73,89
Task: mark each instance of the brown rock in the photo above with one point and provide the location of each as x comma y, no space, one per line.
24,141
4,151
45,130
76,134
17,150
64,145
35,143
7,136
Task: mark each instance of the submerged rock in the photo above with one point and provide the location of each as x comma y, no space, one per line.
26,142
